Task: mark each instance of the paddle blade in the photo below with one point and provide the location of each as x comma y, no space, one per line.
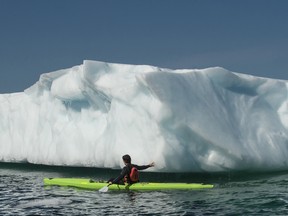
103,189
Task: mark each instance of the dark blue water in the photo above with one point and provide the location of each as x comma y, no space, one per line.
22,193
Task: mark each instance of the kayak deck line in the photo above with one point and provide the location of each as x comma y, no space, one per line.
143,186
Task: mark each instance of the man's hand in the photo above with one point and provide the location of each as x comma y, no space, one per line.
152,164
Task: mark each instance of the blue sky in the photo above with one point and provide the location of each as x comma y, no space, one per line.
245,36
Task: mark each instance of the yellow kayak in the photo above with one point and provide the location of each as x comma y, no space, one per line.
141,186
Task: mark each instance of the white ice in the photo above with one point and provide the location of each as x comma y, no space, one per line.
185,120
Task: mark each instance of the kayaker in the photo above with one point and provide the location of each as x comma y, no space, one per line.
129,173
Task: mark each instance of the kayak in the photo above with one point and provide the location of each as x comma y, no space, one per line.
141,186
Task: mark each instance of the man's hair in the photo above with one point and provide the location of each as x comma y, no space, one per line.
126,158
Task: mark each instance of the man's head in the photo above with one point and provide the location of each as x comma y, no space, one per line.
126,158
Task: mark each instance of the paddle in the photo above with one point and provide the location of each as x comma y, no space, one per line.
104,189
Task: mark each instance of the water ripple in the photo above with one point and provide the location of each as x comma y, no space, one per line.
22,193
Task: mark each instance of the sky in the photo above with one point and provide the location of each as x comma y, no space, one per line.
40,36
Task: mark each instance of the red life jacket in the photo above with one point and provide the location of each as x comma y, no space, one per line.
134,174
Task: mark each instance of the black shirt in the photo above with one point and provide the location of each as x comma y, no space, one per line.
126,172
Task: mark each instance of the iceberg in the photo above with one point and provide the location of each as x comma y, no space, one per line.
186,120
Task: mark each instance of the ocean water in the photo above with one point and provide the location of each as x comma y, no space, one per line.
238,193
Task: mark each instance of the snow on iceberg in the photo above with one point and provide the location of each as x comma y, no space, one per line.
185,120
